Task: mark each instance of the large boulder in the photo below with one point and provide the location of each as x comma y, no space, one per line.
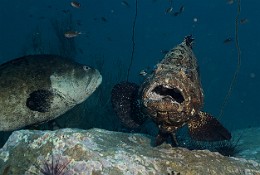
97,151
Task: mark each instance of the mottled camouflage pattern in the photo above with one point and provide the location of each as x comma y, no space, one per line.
173,93
173,97
39,88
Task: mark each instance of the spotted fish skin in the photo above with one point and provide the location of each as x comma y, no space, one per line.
173,96
173,93
38,88
123,98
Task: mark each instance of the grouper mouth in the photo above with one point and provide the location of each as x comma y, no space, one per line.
95,80
160,92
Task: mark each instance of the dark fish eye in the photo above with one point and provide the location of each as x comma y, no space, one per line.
86,68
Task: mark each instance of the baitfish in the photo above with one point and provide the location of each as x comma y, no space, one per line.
72,34
75,4
39,88
172,96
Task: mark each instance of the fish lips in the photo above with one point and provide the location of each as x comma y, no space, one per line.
172,95
94,83
161,97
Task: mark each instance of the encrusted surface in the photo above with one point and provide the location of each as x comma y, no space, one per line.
99,151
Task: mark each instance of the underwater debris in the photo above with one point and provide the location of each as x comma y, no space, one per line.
172,97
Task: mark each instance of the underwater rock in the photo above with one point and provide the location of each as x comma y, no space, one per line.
97,151
38,88
172,96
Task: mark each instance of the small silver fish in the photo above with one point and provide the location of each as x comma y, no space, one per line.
72,34
169,10
75,4
143,73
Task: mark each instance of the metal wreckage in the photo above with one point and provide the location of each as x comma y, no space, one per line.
172,97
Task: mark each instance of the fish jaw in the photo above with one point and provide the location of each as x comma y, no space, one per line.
174,94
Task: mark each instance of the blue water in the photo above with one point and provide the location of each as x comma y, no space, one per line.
107,28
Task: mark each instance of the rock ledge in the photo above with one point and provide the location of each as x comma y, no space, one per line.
98,151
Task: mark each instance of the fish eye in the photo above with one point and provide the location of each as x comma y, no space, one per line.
86,68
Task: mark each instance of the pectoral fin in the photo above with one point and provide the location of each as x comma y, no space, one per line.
125,104
204,127
40,100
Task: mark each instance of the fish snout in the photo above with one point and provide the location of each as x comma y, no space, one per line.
96,78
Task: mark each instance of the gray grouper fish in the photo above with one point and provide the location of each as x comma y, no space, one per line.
39,88
172,97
